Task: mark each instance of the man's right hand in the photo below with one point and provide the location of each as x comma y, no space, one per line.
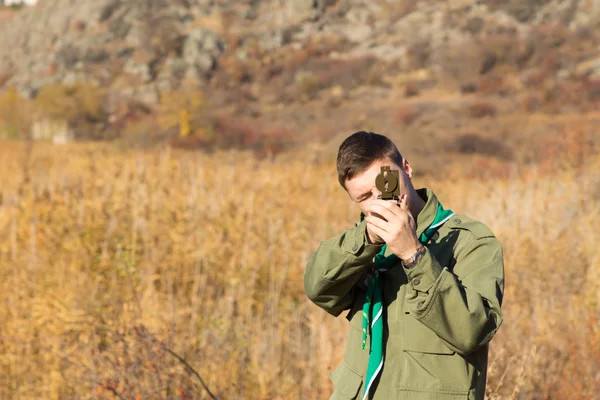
372,237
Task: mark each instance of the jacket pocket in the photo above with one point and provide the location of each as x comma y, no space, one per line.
419,338
430,369
346,382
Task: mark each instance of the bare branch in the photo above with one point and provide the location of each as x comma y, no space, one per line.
145,332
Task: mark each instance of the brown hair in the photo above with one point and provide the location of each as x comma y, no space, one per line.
360,150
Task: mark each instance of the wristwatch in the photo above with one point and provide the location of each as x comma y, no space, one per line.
414,260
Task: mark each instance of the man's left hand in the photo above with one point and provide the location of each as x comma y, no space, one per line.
399,231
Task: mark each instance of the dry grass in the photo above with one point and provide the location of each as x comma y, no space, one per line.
98,248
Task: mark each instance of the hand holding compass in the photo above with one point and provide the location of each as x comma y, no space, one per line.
392,222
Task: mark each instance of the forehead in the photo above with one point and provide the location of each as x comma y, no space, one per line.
365,182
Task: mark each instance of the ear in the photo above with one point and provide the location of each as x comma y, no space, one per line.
407,169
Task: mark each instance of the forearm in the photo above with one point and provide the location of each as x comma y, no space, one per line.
336,267
462,310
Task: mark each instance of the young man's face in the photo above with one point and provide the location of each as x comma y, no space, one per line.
362,189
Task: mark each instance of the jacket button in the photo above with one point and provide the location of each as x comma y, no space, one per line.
416,281
456,221
355,247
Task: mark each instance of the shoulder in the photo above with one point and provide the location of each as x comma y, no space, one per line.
476,229
473,241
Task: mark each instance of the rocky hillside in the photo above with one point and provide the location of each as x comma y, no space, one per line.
295,62
150,45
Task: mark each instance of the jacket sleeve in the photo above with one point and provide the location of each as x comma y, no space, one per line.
336,267
462,307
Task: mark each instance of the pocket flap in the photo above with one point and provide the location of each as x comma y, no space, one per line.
352,243
419,338
346,381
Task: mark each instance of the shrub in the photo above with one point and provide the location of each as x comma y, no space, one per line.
82,105
274,141
532,102
15,119
593,90
535,78
182,110
406,115
418,54
140,132
411,88
468,87
79,101
233,71
347,73
471,143
323,73
227,131
232,132
309,85
79,25
481,109
493,83
521,10
4,77
573,148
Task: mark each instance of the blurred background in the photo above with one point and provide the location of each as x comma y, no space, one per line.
168,167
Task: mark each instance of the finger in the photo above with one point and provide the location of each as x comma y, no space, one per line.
392,206
383,213
378,222
379,232
374,214
386,211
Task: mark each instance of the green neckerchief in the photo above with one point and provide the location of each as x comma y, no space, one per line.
373,304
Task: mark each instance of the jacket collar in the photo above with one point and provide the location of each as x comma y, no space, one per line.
427,214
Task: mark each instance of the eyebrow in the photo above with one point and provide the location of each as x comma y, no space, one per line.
363,195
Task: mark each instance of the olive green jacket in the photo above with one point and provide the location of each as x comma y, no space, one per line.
441,313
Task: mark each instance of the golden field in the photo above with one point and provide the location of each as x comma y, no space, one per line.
114,264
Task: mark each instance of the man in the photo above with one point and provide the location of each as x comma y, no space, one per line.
423,286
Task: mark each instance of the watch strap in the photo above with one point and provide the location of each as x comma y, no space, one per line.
414,260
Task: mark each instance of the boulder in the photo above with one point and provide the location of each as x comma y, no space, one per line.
201,48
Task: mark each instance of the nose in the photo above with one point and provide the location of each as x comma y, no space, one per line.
376,192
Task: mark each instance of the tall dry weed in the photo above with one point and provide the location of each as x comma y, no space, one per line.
113,263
